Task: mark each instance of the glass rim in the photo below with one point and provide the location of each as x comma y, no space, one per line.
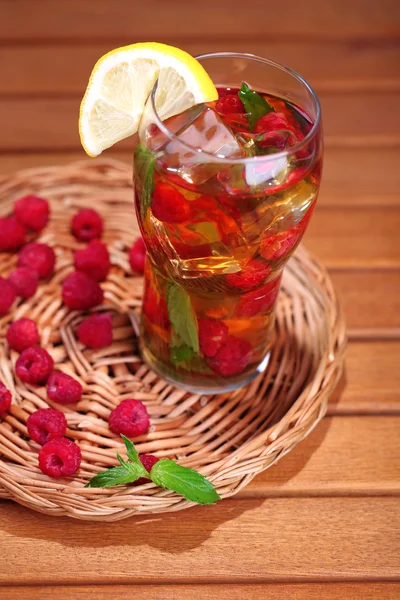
249,159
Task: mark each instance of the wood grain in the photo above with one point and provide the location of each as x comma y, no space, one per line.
328,65
343,456
348,539
315,591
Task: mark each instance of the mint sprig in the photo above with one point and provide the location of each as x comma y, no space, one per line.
182,316
255,105
144,164
166,473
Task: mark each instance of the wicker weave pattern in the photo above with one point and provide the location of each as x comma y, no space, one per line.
229,437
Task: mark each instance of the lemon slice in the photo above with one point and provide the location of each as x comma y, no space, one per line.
121,82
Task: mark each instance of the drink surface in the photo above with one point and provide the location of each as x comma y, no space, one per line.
219,226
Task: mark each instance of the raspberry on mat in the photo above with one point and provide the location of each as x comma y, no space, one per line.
5,398
22,334
7,296
24,281
130,418
60,458
96,331
81,292
46,424
94,260
87,225
148,461
39,257
32,212
34,365
12,234
63,388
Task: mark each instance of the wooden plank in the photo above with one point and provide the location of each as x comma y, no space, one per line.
343,456
349,539
350,237
295,591
328,65
349,178
74,19
371,301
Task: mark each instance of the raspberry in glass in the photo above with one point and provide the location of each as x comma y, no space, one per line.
12,234
87,225
232,357
137,256
96,331
7,296
148,461
32,212
230,104
34,365
260,300
46,424
155,309
63,388
130,418
94,260
60,458
212,334
169,205
25,281
5,398
254,273
81,292
39,257
22,334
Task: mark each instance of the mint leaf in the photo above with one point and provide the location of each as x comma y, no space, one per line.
187,482
182,316
255,105
130,450
126,473
181,354
144,176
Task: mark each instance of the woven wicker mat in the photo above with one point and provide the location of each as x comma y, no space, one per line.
228,437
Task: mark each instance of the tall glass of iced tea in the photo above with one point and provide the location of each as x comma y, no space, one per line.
224,193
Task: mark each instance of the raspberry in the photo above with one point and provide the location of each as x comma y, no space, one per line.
87,225
63,388
148,461
274,121
169,205
46,424
259,300
212,334
137,256
156,310
130,418
94,260
22,334
187,251
232,357
24,281
253,274
96,331
32,212
12,234
39,257
5,398
34,365
81,292
231,103
7,296
277,246
60,458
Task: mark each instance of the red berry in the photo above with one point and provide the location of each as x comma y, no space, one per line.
7,296
232,357
81,292
277,246
260,300
231,103
60,458
96,331
5,398
39,257
34,365
155,309
94,260
254,273
32,212
130,418
148,461
273,121
24,281
212,334
12,234
169,205
87,225
188,251
22,334
63,388
137,256
46,424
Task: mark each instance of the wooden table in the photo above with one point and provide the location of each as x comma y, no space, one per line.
323,522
